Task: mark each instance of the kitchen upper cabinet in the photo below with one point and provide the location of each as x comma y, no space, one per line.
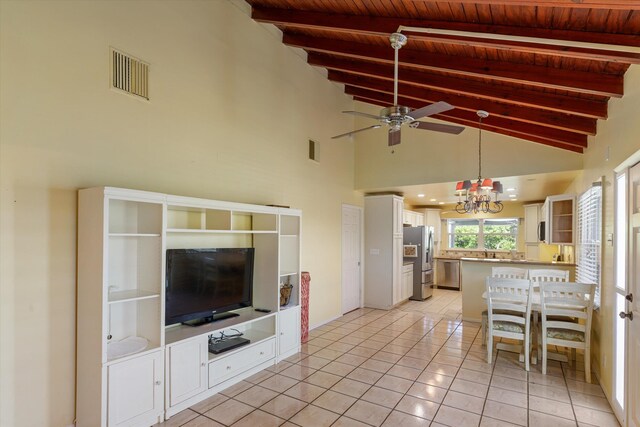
560,219
412,218
531,223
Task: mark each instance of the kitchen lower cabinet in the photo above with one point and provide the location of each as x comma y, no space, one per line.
407,281
135,391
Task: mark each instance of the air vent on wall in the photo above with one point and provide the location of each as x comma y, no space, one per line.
314,150
129,74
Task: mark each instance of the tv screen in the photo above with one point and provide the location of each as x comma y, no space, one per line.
203,282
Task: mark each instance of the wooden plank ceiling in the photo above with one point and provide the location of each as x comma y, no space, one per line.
548,94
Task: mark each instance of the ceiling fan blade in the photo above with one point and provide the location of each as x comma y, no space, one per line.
429,110
438,127
394,137
356,131
358,113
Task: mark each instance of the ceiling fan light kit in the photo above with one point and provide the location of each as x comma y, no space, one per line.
395,116
477,195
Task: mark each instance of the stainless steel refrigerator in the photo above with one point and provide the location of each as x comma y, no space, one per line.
418,243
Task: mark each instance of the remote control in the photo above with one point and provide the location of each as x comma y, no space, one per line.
263,310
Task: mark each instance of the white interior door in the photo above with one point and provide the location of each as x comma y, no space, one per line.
351,268
632,316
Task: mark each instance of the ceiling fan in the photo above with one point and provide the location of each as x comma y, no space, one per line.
397,115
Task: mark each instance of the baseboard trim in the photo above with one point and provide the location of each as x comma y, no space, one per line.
317,325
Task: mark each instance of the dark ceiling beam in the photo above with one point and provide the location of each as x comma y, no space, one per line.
546,133
507,132
573,4
485,91
385,25
535,75
524,114
540,48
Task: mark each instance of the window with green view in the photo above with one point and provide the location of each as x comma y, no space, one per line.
498,234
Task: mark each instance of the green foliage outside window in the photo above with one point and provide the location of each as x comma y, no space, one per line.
496,234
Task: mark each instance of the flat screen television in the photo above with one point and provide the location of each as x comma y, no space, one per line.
201,283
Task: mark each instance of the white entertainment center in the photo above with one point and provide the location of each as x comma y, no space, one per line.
123,236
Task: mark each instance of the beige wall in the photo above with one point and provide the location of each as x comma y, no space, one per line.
426,157
620,134
230,114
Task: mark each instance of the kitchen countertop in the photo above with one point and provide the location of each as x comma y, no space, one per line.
505,261
518,261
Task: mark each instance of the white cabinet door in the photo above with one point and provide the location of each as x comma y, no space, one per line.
398,211
531,222
419,219
407,282
406,217
289,327
561,219
397,269
136,392
187,369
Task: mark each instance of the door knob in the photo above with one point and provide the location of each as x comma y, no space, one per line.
629,297
628,315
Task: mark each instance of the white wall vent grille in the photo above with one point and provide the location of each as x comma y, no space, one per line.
314,150
129,74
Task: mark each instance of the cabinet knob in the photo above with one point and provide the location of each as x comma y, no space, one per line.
158,382
228,368
281,333
203,364
261,353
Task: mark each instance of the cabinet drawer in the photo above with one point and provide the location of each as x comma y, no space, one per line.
226,367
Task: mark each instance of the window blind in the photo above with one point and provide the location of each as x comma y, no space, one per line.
588,242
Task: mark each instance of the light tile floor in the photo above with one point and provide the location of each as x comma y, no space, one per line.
417,365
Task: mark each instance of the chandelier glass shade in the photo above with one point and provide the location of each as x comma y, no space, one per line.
478,194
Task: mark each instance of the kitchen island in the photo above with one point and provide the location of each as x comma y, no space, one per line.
473,274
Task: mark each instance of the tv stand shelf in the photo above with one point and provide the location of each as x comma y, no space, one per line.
123,239
177,333
194,230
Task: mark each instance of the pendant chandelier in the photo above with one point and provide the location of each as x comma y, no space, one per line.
477,195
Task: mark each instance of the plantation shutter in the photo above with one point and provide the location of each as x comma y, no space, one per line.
589,234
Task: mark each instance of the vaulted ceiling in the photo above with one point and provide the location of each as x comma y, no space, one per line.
550,94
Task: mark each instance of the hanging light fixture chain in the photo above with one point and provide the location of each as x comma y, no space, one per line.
480,149
478,195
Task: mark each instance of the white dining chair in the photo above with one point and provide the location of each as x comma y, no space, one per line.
543,275
561,304
548,275
509,312
505,273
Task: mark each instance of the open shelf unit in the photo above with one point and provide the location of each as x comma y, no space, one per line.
561,219
123,236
